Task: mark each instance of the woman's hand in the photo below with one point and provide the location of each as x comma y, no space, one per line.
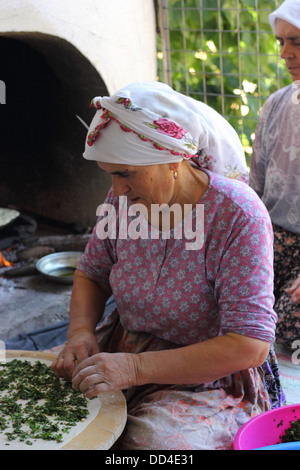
105,372
87,306
294,291
198,363
79,347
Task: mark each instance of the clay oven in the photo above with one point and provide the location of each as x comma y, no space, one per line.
55,57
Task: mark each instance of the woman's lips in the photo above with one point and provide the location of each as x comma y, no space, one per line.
293,68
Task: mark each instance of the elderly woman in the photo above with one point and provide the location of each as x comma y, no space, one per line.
189,340
275,174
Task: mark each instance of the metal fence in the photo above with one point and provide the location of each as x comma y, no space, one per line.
224,53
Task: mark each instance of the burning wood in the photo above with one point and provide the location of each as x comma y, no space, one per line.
21,258
4,262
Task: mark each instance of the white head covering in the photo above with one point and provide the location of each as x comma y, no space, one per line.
288,11
149,123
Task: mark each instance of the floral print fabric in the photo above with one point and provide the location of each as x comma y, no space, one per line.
286,270
185,417
168,296
185,296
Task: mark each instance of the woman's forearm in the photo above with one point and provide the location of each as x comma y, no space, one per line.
196,364
87,304
202,362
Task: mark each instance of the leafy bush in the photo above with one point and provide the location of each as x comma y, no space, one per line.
227,57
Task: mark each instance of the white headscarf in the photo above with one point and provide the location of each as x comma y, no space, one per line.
149,123
288,11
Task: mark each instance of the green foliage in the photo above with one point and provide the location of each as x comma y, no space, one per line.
227,57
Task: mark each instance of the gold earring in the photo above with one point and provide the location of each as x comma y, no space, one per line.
175,174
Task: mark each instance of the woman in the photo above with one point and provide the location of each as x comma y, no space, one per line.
275,174
190,337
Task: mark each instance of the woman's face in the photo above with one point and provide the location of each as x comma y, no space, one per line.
142,184
289,39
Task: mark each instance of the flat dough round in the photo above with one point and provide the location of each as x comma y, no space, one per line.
102,427
7,216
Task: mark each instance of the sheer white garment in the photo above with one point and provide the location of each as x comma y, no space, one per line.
275,163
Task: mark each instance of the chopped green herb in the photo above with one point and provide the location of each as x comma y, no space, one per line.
36,404
292,433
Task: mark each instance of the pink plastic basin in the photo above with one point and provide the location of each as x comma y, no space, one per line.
266,428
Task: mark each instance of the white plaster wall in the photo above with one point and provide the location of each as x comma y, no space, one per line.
117,36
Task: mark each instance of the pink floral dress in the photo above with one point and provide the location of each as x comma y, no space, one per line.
168,296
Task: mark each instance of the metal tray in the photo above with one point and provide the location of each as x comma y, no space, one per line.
60,266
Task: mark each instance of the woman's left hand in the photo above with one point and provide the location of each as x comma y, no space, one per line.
294,291
104,372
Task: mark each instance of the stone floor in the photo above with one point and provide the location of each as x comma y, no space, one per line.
31,302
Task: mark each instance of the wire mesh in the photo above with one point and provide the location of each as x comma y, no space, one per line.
222,52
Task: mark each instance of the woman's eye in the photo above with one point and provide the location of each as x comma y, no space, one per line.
294,43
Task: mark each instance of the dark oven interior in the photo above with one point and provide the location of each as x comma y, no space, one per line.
49,83
43,176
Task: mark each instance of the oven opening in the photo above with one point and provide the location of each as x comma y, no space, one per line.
49,85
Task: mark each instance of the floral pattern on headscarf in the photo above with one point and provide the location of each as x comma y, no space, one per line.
176,125
163,126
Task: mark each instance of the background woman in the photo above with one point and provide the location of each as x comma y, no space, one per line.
275,174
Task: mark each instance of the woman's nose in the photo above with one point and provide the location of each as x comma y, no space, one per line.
119,185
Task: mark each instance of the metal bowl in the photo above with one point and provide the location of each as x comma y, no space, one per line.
59,267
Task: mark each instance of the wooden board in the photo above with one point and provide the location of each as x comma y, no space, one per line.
104,430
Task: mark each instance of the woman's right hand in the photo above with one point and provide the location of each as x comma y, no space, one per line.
79,346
